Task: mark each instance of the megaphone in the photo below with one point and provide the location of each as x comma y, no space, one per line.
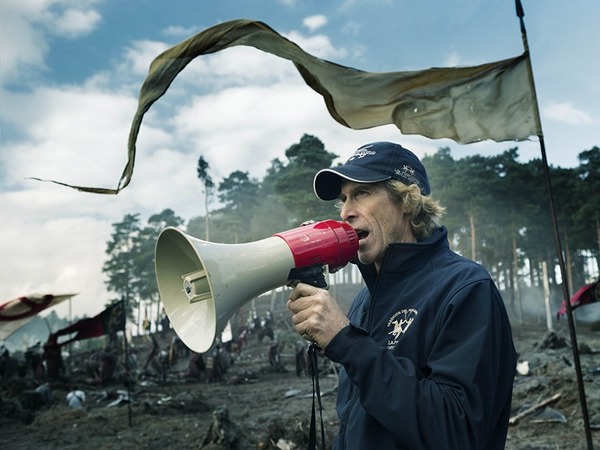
203,284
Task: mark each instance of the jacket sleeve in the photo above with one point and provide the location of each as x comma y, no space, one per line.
457,400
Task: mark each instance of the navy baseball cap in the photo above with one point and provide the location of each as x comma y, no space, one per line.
371,163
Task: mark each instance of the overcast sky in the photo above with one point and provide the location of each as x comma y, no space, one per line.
71,71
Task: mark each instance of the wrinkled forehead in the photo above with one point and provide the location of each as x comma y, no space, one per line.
352,187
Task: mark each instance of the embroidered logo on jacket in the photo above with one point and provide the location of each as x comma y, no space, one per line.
399,323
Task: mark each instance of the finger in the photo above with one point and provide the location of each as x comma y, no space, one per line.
295,308
299,315
292,283
294,294
304,290
298,291
301,304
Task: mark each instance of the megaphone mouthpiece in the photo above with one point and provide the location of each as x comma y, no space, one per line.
330,243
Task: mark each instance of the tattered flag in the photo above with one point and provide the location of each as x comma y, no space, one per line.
467,104
109,321
18,312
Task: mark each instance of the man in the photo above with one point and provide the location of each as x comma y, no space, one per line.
426,349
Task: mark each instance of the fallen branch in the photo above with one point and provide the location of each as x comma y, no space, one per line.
513,420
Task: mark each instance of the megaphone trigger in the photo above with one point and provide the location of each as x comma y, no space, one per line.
315,275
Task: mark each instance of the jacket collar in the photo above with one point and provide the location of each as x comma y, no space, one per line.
404,256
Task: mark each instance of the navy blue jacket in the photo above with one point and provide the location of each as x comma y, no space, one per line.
428,360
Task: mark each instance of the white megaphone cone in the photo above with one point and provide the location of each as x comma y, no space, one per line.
203,284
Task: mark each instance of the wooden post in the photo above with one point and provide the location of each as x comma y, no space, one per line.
547,297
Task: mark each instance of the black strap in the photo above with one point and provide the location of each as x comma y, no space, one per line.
313,351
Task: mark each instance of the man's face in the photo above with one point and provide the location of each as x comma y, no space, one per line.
376,217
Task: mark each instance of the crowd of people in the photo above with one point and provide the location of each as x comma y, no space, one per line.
151,356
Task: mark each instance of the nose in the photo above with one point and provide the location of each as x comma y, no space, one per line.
347,212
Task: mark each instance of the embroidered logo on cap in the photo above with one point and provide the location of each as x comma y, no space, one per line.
362,152
408,173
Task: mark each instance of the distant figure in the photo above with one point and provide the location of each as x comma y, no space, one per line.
34,361
146,325
196,365
301,358
108,362
223,431
9,365
177,349
253,321
92,366
158,359
35,399
216,365
53,357
46,394
265,330
239,343
165,324
268,320
275,357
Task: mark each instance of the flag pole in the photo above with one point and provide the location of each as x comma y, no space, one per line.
127,368
557,240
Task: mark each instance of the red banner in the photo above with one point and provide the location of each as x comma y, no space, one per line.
109,321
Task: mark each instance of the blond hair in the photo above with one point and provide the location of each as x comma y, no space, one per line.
424,212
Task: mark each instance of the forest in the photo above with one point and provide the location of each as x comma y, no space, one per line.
498,214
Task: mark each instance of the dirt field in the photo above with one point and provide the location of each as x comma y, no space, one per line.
270,409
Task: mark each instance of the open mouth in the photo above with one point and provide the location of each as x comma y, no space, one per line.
362,234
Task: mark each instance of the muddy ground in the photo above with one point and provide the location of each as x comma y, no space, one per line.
270,408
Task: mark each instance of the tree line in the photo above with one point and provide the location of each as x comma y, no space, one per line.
497,214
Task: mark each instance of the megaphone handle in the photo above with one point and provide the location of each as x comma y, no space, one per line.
313,275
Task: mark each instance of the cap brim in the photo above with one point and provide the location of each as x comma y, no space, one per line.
328,182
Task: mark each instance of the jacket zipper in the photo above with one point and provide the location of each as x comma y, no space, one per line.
365,316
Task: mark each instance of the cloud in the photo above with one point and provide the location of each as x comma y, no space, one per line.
236,66
179,32
313,23
347,4
138,56
70,134
23,44
352,27
317,45
567,113
27,26
452,60
74,22
244,128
